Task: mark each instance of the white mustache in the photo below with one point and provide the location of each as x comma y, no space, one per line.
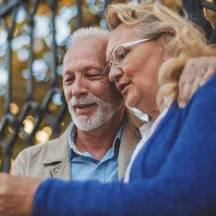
83,100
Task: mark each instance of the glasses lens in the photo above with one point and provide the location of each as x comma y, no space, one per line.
119,56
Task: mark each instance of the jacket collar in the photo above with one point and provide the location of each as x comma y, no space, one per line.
130,138
59,158
58,154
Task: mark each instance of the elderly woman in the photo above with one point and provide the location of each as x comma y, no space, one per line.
174,171
146,39
149,42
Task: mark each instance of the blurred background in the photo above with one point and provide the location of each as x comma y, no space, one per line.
34,36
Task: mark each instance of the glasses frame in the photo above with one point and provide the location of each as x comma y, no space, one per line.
125,45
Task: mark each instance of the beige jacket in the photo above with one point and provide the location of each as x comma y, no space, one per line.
52,158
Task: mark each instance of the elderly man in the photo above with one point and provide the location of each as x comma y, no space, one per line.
99,143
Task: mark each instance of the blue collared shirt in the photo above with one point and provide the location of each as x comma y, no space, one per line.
85,167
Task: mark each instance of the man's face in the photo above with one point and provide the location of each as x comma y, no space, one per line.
92,99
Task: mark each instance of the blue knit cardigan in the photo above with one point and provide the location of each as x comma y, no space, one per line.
173,175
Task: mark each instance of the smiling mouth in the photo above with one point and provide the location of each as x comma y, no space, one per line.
83,106
84,109
122,86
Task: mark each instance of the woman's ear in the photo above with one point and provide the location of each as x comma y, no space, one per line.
162,41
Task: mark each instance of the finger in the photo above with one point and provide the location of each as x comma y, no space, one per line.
180,93
185,88
180,89
185,94
207,76
185,79
186,72
195,87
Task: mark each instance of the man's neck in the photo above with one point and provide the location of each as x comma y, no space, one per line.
98,141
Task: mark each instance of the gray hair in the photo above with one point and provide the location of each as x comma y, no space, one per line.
83,33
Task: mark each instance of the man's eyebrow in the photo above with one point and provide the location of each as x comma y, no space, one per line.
85,69
67,72
93,66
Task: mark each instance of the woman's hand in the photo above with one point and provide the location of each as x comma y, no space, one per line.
196,73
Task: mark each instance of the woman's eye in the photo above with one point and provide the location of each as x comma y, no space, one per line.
121,55
126,52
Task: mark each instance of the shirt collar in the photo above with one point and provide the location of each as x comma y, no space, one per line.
150,127
73,132
117,139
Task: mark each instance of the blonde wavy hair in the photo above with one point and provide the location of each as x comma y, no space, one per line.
181,40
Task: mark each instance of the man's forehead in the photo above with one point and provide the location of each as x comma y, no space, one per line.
73,55
86,49
84,62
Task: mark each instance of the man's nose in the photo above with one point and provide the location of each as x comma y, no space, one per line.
79,87
115,74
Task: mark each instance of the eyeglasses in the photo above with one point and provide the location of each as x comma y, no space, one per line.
118,54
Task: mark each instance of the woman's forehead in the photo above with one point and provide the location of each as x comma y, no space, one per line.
122,34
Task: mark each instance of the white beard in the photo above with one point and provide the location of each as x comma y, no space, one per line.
103,113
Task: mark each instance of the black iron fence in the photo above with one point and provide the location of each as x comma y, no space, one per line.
31,52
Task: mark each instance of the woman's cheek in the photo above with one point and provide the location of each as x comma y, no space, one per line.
133,97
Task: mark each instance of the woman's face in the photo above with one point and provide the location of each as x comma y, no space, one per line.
137,79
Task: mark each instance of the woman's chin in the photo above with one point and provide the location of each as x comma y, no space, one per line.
131,103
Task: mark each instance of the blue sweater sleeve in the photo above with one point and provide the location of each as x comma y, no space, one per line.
185,184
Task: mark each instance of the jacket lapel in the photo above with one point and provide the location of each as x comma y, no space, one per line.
130,138
61,170
58,159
